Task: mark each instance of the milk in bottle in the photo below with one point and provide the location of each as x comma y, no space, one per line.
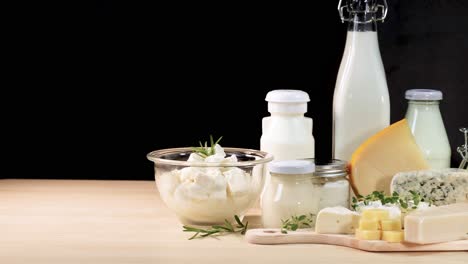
426,124
361,104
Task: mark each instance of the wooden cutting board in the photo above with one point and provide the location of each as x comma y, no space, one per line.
274,236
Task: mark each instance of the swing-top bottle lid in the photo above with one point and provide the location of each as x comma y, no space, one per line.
348,7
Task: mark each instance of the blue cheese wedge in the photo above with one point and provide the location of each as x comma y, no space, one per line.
441,187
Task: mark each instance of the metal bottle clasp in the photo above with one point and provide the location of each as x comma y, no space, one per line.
345,10
463,149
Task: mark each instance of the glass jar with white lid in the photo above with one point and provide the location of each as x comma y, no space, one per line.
303,187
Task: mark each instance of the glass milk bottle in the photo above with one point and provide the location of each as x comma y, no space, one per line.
425,121
361,104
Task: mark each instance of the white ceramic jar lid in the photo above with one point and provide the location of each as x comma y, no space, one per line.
287,101
287,96
423,95
292,167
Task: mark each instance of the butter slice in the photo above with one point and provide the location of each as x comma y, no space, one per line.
369,224
437,224
336,220
375,214
368,234
391,225
393,236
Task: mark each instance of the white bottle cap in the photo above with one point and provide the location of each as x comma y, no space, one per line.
423,95
287,101
292,167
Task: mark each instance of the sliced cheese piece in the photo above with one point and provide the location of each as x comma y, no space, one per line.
393,236
375,214
368,234
377,160
391,225
336,220
442,187
437,224
369,224
393,209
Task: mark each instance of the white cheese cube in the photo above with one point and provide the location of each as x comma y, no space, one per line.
237,181
336,220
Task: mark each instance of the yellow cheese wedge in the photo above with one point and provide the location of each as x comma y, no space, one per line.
369,224
391,225
375,214
368,234
377,160
393,236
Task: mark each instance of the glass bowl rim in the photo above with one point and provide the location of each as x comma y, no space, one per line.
155,156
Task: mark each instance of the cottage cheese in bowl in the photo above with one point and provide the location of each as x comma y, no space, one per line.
208,190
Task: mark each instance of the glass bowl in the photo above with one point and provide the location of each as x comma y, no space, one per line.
206,193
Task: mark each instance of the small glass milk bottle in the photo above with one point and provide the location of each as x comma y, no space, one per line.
425,121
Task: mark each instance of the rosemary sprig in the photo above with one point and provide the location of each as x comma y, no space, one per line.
204,150
375,196
393,199
295,222
218,229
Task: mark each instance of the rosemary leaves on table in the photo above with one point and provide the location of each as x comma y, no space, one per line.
218,229
295,222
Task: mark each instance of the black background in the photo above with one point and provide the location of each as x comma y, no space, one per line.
93,94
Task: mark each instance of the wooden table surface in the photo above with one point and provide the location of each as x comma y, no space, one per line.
67,221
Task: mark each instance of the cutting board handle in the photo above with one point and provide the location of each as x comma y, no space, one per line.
307,236
274,236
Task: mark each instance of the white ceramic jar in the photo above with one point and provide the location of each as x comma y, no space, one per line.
425,120
287,134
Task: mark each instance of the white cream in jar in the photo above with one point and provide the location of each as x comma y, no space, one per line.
301,187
